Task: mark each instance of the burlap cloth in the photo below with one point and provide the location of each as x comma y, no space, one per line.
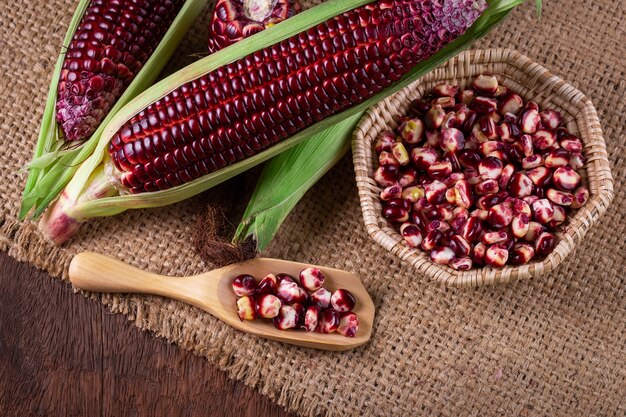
553,345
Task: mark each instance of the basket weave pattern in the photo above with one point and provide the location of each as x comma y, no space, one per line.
532,82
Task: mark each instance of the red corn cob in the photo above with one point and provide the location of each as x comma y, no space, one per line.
234,20
245,107
114,40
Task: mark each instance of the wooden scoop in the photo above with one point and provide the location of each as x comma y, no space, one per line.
212,291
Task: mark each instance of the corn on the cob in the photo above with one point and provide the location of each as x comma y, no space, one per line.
234,20
245,107
114,40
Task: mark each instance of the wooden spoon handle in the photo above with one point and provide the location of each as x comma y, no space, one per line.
94,272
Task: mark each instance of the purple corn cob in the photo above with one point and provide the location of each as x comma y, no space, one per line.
114,40
247,106
234,20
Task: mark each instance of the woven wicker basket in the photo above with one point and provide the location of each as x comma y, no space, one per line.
532,82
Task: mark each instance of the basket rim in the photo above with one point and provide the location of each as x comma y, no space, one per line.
544,86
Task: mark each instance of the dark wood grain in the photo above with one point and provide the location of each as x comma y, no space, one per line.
63,355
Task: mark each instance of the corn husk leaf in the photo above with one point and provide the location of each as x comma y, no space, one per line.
287,177
496,12
53,165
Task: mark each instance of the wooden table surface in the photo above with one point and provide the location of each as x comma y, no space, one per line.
63,355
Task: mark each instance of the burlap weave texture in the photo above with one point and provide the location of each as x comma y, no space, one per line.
553,345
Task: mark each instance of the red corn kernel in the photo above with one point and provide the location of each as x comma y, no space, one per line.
520,225
348,324
465,96
485,84
321,298
268,306
400,153
529,120
287,318
540,176
452,140
551,118
490,167
490,146
408,176
444,102
532,161
572,144
489,238
391,192
386,175
424,157
461,264
411,234
387,158
565,178
472,229
268,285
510,103
526,143
544,244
434,117
311,279
487,187
581,195
412,131
480,214
342,300
460,246
244,285
442,255
384,141
328,321
534,230
520,186
395,214
522,254
542,210
435,192
577,161
559,197
497,256
506,176
559,157
311,318
433,137
484,105
500,215
463,194
431,240
469,158
559,216
290,292
440,170
445,90
478,253
412,194
450,196
544,139
246,309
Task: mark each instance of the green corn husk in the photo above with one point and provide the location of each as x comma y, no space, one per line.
53,166
77,206
287,177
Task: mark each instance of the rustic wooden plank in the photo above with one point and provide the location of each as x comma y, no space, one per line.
63,355
50,346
